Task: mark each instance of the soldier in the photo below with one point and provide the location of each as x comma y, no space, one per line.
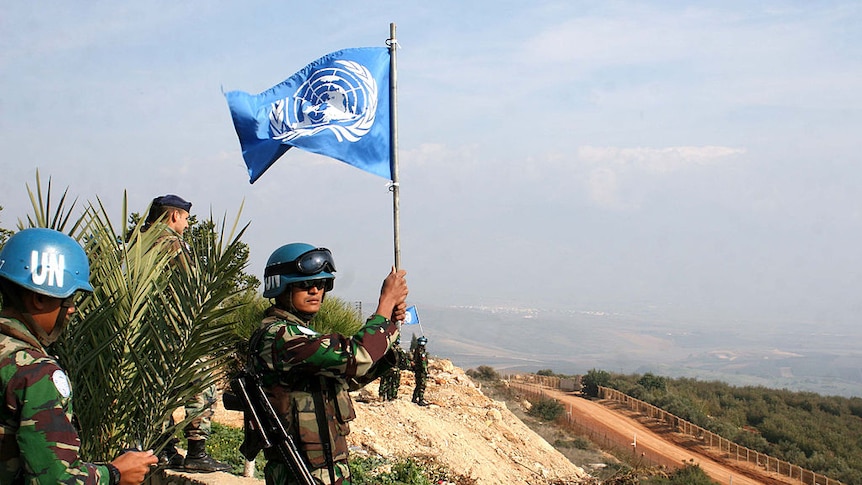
307,375
420,371
40,272
173,212
390,381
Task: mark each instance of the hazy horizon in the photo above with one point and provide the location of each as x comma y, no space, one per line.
575,341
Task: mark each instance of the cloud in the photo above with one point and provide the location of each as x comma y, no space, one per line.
647,34
609,41
750,54
656,160
618,178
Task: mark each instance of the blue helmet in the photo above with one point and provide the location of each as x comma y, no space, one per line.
45,261
422,340
296,262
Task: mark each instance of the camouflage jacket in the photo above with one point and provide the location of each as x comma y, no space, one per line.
38,442
302,369
420,360
401,358
173,243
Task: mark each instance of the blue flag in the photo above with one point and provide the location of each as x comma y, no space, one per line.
412,317
337,106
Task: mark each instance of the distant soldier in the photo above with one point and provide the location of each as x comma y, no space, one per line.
391,380
420,370
173,212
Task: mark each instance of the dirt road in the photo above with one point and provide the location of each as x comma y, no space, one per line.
653,447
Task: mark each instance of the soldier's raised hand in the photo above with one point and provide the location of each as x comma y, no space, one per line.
393,293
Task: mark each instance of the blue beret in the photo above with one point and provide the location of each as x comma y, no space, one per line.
171,200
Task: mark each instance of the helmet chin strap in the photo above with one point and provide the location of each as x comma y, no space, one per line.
46,338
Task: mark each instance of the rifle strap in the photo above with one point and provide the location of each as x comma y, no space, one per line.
295,380
323,427
254,343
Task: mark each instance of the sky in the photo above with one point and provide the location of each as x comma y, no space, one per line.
694,160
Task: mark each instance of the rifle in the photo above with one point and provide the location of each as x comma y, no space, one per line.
263,427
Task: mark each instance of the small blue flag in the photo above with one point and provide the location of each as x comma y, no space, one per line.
412,317
337,106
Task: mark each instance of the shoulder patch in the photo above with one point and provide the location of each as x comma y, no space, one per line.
306,330
61,382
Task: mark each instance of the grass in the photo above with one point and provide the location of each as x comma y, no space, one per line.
224,441
224,446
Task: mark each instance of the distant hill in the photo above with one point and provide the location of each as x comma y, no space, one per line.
806,358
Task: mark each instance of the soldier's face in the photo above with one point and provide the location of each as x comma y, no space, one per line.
48,311
179,221
306,300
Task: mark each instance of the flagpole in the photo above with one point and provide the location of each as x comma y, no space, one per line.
393,145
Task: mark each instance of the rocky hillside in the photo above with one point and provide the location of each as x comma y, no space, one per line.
474,437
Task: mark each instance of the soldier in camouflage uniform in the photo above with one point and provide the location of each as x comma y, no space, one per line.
420,370
390,381
40,272
173,212
307,375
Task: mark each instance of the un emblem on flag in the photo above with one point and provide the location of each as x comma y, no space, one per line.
341,99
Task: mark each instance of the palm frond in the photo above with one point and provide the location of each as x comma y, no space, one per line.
152,335
42,209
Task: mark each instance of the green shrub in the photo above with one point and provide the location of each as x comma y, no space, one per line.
579,442
484,373
690,474
593,379
546,409
563,444
336,316
375,470
650,382
582,443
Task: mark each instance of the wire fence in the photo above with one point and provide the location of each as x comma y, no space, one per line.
603,436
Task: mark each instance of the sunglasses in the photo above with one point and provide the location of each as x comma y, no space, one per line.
308,263
309,284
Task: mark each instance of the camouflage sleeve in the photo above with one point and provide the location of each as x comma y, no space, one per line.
378,369
38,391
289,346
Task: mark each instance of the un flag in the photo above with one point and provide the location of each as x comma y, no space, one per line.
337,106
